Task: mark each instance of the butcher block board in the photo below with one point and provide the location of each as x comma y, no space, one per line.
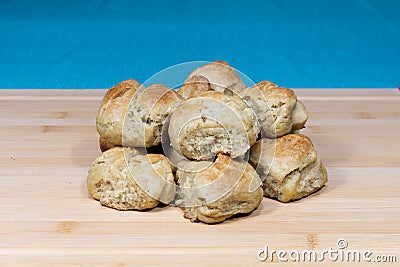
48,140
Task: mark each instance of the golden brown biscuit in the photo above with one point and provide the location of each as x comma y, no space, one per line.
122,178
220,75
147,113
213,123
104,145
194,86
277,108
288,166
212,192
109,121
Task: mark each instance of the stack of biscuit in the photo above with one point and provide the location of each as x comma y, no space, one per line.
213,148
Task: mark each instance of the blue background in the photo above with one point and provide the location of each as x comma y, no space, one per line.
97,43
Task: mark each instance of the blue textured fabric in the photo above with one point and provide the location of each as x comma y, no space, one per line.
97,43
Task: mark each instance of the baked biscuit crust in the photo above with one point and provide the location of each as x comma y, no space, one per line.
109,121
215,191
213,123
220,75
147,113
277,108
111,182
288,166
194,86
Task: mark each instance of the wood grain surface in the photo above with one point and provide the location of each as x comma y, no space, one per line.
48,140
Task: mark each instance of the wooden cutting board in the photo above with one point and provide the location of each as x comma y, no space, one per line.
48,140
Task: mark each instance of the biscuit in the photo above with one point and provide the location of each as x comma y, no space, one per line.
213,123
212,192
193,86
122,178
110,117
220,75
104,145
299,116
147,113
278,110
288,166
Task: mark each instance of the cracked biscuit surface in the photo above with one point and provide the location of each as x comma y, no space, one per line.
123,178
212,192
213,123
288,166
277,108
